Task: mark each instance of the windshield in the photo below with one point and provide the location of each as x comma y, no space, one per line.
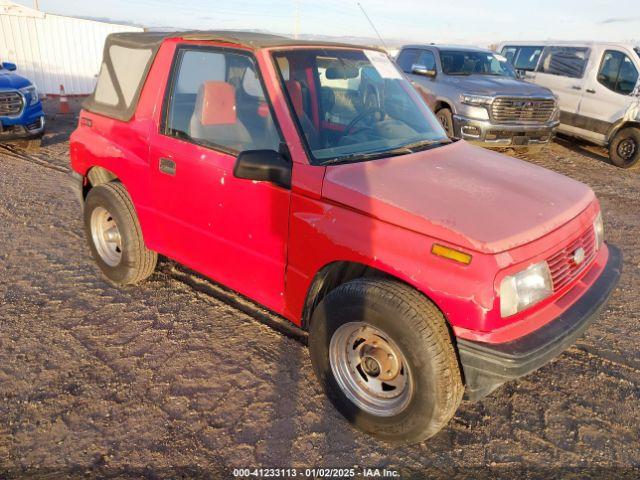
354,105
637,49
460,62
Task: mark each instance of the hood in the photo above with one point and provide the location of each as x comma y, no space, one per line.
495,85
12,81
459,193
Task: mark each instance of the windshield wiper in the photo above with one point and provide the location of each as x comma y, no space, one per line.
425,144
359,157
395,152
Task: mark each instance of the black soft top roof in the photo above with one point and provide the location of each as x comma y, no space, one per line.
253,40
123,75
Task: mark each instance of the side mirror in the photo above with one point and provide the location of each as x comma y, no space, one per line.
422,70
264,166
9,66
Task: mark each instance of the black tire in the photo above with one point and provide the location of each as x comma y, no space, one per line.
418,329
624,149
445,117
137,262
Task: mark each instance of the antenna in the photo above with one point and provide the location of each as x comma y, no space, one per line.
373,26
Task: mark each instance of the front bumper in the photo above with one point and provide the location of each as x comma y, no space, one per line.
28,131
487,134
27,125
487,366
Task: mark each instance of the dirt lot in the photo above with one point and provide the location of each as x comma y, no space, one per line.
181,378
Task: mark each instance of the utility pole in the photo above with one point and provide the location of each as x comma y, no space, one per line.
296,28
36,5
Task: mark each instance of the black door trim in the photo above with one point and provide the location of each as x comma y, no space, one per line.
586,123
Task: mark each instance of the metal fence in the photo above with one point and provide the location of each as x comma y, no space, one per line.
54,50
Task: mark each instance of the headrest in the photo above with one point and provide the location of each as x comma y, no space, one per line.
217,101
295,93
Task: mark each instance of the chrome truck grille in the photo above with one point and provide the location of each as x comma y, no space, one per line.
11,103
522,110
563,266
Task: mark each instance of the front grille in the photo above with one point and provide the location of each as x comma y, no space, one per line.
11,103
522,110
563,267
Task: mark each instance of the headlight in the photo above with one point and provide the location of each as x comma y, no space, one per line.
31,94
525,288
598,228
480,113
475,99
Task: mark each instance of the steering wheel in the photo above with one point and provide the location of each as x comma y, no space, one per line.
358,119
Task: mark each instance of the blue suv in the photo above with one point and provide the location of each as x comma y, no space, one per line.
21,115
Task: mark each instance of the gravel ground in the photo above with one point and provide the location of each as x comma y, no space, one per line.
181,378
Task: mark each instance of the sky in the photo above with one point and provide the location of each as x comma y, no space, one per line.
459,21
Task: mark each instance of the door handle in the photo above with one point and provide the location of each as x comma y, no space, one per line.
590,90
168,166
576,87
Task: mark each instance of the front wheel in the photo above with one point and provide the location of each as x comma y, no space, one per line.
385,358
624,150
114,235
445,117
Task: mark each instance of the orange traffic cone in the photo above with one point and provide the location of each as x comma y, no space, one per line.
64,102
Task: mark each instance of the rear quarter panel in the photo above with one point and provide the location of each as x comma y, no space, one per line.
123,147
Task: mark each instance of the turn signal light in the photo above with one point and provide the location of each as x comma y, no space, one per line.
451,254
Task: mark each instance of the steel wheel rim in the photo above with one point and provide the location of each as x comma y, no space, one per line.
370,369
106,236
627,148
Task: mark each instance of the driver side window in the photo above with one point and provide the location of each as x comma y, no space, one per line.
617,72
217,101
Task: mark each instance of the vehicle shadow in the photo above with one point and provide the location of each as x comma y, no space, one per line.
52,139
584,148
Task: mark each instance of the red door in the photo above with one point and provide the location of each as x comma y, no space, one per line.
232,230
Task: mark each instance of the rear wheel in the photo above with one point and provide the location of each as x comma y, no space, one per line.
385,358
98,176
445,117
624,149
114,235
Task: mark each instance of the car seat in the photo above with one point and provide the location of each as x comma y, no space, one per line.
215,118
294,88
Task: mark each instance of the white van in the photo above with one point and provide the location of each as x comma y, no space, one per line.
597,87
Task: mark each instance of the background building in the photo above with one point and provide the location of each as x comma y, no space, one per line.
54,50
